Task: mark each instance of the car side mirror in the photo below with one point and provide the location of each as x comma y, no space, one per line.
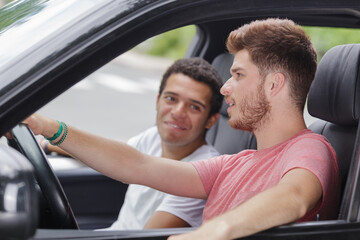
18,197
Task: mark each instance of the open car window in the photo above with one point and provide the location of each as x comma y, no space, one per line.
118,101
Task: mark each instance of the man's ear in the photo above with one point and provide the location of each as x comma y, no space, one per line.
212,120
157,101
276,83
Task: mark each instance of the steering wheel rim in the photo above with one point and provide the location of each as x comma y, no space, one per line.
63,216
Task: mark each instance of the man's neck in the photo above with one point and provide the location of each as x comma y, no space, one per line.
278,131
179,152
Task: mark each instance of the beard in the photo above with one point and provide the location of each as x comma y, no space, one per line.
253,111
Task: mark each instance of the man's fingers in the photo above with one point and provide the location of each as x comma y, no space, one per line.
8,135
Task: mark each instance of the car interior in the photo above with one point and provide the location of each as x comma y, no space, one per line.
333,99
335,86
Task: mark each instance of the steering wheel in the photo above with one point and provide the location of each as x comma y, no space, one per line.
62,214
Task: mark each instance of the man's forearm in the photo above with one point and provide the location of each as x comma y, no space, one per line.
161,219
114,159
273,207
122,162
257,214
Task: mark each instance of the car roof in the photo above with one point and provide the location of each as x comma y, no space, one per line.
70,40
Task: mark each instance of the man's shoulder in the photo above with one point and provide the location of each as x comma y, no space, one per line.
204,152
148,141
309,145
311,139
309,134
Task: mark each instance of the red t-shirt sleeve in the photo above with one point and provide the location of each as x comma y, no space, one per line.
317,156
208,171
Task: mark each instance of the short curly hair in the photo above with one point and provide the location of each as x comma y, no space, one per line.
201,71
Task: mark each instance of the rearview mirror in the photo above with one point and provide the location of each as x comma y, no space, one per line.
18,197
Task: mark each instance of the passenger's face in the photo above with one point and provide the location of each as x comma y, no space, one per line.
182,110
244,92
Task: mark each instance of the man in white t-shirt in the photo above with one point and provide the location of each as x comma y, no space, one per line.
141,202
187,105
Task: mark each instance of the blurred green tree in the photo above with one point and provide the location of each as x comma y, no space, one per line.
172,44
13,12
325,38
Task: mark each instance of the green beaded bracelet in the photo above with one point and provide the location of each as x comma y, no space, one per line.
57,134
63,136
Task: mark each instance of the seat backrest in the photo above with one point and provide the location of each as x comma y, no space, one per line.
334,97
223,137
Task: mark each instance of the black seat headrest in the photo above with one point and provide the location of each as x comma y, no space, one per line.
222,64
334,95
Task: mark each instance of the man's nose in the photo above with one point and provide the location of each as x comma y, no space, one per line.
179,110
226,88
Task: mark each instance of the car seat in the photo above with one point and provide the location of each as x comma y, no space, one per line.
224,138
334,97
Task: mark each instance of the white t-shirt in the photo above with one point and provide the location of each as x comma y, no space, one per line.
141,202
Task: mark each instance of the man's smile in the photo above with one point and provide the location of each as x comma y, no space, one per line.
175,125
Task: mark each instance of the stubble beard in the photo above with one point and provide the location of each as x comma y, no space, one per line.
253,111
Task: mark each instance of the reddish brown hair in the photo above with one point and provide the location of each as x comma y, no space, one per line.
279,45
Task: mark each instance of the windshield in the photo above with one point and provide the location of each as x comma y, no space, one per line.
34,24
56,14
41,30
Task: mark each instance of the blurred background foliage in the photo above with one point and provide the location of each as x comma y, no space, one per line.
11,12
325,38
173,44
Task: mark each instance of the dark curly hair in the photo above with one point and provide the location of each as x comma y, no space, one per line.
201,71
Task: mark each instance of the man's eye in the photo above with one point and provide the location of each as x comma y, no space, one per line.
194,107
169,98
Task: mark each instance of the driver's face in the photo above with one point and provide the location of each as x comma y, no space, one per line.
182,110
244,92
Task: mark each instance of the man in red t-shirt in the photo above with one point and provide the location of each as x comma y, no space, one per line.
293,175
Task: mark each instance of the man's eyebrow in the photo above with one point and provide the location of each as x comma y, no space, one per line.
235,69
192,100
199,103
171,93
